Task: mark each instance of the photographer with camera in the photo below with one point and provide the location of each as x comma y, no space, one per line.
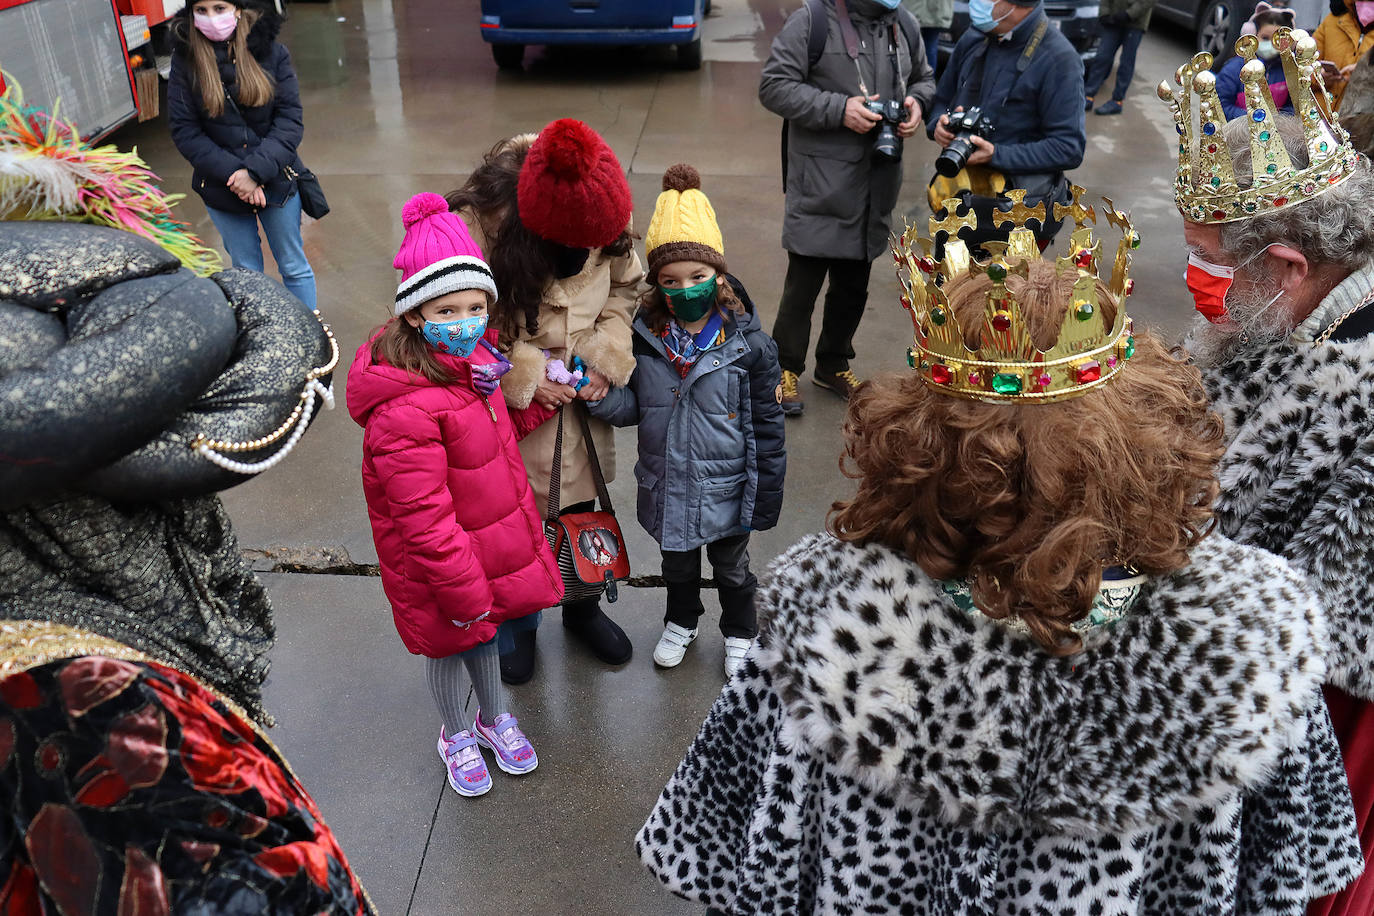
1008,113
852,80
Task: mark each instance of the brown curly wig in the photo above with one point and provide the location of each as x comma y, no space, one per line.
1032,502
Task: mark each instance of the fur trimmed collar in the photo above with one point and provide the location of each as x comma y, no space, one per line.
1192,698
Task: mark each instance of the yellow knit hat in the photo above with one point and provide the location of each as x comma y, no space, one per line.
684,226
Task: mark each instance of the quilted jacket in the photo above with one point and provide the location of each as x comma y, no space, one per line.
459,540
711,454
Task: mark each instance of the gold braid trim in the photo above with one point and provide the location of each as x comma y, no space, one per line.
26,644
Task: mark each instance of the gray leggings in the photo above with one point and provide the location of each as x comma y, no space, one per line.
448,685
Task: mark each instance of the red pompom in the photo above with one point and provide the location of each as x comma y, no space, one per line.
422,206
570,148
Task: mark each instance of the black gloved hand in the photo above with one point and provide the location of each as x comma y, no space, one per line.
1121,19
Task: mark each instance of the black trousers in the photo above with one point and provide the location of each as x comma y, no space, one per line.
1113,37
729,559
845,301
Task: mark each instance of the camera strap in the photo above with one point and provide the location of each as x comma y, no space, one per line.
974,88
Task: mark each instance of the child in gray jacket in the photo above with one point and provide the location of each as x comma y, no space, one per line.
704,395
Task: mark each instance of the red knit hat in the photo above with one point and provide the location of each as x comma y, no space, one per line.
572,189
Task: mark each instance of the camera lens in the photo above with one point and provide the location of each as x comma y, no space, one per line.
887,145
954,157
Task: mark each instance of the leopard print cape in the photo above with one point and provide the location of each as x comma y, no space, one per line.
882,751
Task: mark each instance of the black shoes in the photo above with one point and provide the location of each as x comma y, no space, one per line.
518,666
599,633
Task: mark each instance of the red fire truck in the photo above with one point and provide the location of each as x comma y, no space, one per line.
95,57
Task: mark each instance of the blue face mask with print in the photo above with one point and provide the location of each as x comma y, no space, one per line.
457,337
980,15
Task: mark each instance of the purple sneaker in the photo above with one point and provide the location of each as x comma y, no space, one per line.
514,755
467,770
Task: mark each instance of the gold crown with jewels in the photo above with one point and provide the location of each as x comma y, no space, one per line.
1206,189
1007,367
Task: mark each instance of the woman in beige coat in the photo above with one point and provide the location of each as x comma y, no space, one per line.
552,214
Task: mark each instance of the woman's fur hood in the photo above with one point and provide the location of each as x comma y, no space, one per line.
260,39
1188,699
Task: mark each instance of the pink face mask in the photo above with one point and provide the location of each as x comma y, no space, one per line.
217,27
1364,11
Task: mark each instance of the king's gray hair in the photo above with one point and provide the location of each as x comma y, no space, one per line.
1336,227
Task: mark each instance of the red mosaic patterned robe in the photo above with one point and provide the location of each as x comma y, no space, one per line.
128,788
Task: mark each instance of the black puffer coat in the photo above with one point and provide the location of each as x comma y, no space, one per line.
262,138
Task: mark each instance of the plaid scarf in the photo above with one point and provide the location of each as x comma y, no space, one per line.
684,348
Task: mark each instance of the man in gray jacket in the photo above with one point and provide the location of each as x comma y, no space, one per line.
840,191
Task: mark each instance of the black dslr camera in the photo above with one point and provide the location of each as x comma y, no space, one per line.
887,145
965,125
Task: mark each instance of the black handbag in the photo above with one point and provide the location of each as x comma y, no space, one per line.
313,202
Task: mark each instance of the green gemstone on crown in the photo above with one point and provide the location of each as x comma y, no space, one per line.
1216,182
997,271
1264,136
1006,383
937,315
1083,311
911,357
1271,168
1130,346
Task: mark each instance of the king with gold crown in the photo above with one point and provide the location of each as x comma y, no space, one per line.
1278,216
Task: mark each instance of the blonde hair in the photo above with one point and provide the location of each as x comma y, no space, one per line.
255,86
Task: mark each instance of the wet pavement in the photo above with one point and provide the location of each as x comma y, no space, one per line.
401,98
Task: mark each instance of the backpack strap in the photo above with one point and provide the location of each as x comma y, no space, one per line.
820,28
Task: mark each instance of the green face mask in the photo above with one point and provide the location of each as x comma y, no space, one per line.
692,302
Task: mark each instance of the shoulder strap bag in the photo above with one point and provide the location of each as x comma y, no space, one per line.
589,546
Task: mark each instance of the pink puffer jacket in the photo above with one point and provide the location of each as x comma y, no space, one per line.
460,542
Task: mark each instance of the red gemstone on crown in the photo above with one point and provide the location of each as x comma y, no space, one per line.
941,374
1084,260
1218,214
1090,371
1043,380
975,379
1111,362
1280,201
1129,287
1001,321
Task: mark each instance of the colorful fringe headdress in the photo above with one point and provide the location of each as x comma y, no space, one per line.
47,172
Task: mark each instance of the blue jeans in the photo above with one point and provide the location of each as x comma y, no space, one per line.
239,231
1114,37
932,39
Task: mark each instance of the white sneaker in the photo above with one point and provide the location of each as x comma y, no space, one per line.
672,645
736,647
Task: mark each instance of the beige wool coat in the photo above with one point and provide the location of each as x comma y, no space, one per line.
586,315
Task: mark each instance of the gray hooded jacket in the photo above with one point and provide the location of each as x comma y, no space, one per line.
839,198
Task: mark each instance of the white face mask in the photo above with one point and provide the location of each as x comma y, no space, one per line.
219,26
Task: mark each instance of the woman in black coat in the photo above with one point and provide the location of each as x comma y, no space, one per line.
235,112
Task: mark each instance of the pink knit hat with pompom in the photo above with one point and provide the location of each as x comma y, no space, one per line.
438,255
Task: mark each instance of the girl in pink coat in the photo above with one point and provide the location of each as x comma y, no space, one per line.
460,542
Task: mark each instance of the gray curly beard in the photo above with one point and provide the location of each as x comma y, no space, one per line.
1256,320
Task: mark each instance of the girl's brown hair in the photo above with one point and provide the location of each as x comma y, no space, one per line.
653,305
255,87
404,347
1032,502
521,262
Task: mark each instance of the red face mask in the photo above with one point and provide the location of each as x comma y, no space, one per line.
1209,283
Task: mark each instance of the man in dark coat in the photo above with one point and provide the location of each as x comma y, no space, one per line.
840,194
1026,78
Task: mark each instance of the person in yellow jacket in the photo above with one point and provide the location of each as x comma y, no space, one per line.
1343,38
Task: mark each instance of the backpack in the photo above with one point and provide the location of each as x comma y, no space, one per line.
815,47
